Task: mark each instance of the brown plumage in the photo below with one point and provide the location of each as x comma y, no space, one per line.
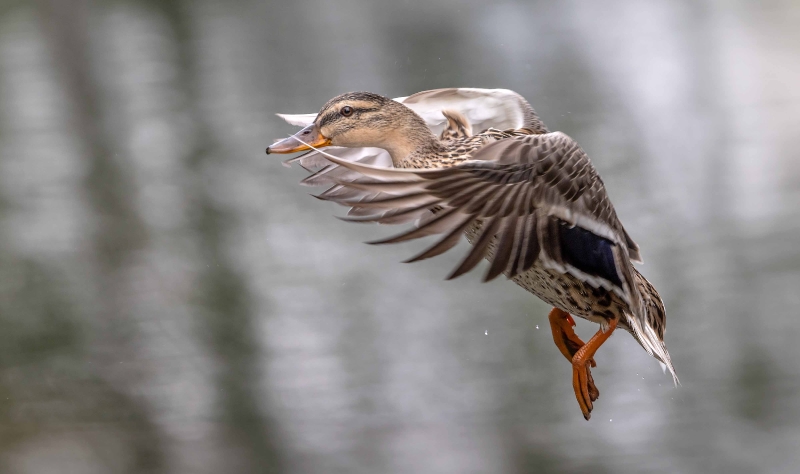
528,200
458,126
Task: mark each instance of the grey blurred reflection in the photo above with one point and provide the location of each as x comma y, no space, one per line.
171,300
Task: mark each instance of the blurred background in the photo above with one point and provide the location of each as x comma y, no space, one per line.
171,301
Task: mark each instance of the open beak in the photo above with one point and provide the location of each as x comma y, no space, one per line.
302,140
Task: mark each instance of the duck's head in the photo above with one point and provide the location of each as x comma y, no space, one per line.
361,119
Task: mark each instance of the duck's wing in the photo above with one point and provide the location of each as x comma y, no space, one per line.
484,108
537,196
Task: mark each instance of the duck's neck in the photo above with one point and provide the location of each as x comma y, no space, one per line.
414,138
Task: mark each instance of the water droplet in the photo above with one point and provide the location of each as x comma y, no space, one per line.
486,332
537,326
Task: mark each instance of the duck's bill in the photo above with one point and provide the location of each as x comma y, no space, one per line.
305,139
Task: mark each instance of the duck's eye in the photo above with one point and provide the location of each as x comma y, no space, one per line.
346,111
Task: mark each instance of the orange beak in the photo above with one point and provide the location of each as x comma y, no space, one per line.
300,141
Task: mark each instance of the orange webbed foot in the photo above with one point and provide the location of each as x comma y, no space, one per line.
583,385
582,381
561,324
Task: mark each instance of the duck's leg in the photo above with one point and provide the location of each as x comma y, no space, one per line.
561,324
581,377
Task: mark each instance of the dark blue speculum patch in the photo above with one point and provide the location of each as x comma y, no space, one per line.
588,252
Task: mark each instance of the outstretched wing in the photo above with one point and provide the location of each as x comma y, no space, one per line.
484,108
536,197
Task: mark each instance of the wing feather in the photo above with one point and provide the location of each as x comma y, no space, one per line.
505,247
478,250
448,241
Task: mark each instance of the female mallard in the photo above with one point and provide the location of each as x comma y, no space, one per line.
529,201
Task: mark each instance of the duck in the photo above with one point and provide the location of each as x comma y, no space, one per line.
480,163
